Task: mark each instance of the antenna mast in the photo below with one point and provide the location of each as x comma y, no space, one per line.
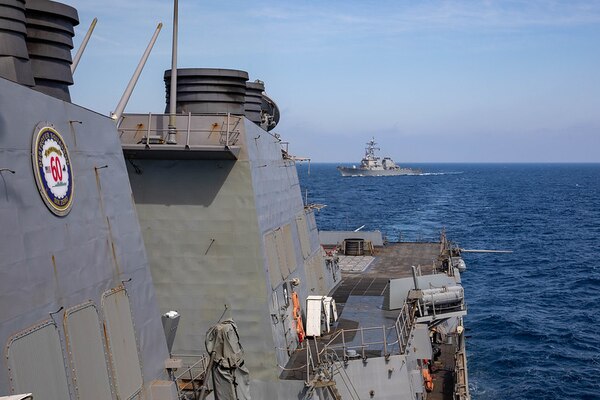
125,98
172,139
84,43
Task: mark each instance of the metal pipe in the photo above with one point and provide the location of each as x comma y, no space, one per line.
442,298
208,372
192,381
384,341
116,115
400,340
307,365
84,43
171,139
414,274
227,134
362,342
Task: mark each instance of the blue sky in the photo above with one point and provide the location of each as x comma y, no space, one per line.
433,81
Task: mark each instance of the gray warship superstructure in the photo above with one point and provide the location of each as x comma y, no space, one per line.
78,313
202,215
228,236
373,165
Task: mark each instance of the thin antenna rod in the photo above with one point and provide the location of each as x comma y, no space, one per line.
86,39
125,98
173,90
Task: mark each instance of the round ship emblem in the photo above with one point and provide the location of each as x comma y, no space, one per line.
52,169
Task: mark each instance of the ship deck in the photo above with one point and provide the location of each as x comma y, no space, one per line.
359,298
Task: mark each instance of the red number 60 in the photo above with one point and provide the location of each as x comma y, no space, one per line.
56,169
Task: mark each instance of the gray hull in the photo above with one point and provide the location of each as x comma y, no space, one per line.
78,312
347,171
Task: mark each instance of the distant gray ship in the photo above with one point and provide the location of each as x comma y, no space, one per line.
371,165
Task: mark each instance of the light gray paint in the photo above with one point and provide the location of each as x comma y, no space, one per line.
419,344
36,363
49,262
87,353
387,379
312,229
121,342
399,288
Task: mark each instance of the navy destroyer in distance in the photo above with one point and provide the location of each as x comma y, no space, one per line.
171,256
373,165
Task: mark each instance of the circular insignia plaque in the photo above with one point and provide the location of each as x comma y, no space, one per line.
52,169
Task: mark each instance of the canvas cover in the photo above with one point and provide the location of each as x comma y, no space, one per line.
231,379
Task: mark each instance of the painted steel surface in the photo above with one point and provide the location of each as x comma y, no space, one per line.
35,362
222,232
49,263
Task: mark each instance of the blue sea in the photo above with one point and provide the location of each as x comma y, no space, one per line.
533,315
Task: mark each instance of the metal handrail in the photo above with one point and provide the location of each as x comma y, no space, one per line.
402,328
229,129
200,366
203,360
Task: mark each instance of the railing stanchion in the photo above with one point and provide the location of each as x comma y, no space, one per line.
189,128
362,342
384,341
312,362
148,130
227,133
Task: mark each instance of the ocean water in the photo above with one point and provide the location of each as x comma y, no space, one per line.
533,315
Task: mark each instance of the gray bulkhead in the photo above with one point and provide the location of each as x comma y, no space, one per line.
231,232
384,379
58,273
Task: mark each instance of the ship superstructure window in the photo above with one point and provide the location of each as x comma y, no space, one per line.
121,343
86,353
36,364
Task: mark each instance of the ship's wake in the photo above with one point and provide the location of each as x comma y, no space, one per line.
440,173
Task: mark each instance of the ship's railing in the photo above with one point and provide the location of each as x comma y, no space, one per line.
192,129
404,324
461,380
364,342
344,343
374,341
189,381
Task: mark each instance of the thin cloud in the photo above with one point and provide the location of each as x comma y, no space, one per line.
432,16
